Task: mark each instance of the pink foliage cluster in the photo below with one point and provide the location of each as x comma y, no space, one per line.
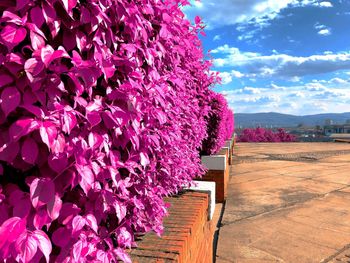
265,135
230,124
220,124
103,107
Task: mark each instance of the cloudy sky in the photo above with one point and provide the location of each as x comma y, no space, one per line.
288,56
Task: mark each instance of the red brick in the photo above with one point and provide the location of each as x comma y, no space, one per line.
188,236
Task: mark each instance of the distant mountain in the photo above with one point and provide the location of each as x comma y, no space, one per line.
273,119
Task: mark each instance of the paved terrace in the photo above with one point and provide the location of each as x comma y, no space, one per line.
287,203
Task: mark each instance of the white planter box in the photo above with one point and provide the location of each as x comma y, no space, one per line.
206,187
228,144
214,162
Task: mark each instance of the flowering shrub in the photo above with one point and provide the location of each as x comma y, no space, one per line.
230,124
219,124
103,107
264,135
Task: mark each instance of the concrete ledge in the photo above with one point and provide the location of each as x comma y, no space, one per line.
209,188
214,162
218,172
228,144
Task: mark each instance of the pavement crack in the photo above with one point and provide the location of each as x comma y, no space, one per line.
286,206
336,254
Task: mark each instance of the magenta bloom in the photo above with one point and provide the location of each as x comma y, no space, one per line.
220,124
264,135
103,110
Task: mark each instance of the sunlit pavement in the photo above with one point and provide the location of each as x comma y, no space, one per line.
287,203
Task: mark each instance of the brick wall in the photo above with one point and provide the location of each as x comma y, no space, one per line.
220,177
188,235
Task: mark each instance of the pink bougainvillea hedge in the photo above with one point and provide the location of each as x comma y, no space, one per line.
103,110
265,135
230,124
220,124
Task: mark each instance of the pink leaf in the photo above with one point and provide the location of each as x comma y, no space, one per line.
10,230
69,121
10,99
54,207
87,177
95,140
38,112
27,247
58,162
21,3
93,118
11,17
58,146
22,207
9,151
36,14
5,79
144,159
48,12
48,133
120,210
91,222
124,237
44,243
68,212
36,40
22,127
78,223
61,237
69,5
48,54
41,218
29,150
77,249
33,68
12,35
42,191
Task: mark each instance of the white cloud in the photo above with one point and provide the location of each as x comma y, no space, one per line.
338,81
328,52
216,38
296,99
229,12
298,94
281,65
227,77
319,26
324,32
315,86
250,90
276,87
325,4
237,74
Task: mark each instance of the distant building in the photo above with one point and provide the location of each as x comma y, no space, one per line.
336,128
329,122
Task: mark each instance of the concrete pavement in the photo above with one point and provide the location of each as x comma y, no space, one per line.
287,203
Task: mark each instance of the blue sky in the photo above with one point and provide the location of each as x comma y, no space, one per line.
287,56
